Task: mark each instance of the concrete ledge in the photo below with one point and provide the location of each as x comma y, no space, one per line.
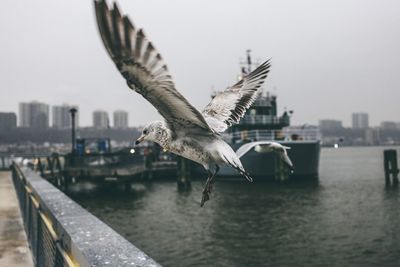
86,239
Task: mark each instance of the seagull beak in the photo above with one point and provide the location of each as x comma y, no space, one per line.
139,140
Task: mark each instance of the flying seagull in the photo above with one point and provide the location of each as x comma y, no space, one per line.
267,147
186,131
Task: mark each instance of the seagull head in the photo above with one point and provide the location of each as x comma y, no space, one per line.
151,132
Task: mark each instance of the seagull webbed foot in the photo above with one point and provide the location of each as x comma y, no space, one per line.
208,186
207,191
204,198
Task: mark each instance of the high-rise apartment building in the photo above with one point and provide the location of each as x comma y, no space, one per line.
120,119
34,115
100,119
8,121
61,117
360,120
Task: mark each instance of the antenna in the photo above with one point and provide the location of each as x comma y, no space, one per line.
248,51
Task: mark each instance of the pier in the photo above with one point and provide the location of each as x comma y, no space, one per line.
123,167
61,233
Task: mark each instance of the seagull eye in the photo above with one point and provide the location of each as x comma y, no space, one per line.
145,132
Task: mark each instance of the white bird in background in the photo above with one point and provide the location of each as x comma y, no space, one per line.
185,131
267,147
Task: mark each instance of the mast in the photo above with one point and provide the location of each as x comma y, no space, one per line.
248,51
262,115
247,65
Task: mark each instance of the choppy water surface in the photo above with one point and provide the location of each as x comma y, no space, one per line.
348,218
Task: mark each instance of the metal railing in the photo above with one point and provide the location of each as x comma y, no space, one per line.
286,134
264,119
263,102
42,238
7,158
61,233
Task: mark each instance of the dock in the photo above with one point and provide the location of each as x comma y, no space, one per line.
126,168
14,249
58,231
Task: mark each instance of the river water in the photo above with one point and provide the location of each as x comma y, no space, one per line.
347,218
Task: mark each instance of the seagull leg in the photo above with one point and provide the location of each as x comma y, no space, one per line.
208,186
211,183
206,195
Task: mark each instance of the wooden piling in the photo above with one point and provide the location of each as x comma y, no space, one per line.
58,163
391,168
148,163
183,179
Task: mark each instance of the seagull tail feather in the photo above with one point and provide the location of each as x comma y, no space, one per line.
236,164
246,175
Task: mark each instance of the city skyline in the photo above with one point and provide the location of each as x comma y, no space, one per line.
347,122
120,118
329,59
58,116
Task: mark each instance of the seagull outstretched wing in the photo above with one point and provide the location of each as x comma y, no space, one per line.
229,106
143,68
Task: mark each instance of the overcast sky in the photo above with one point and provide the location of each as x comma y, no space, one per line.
329,58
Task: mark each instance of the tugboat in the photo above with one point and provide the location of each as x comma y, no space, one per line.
262,123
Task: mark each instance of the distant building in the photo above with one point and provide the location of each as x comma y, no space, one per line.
100,119
8,120
372,136
388,125
360,120
120,119
328,124
61,117
24,115
34,115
